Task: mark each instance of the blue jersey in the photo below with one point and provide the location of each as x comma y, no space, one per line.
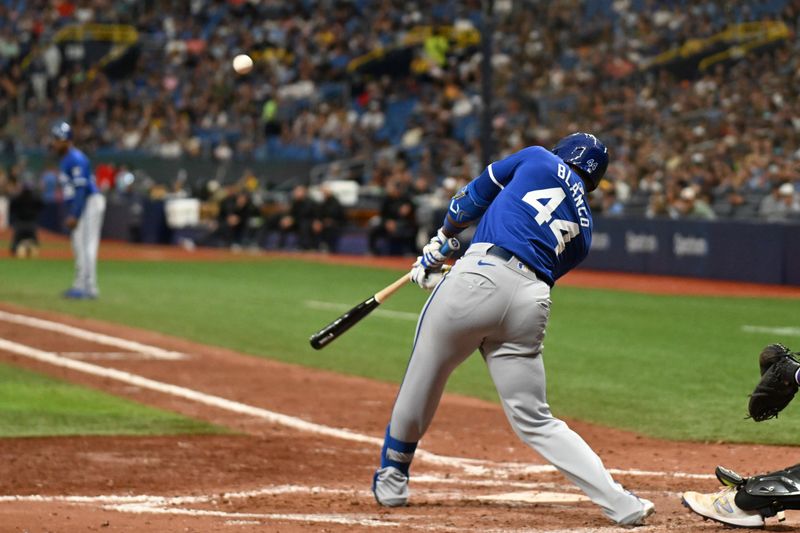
538,211
77,180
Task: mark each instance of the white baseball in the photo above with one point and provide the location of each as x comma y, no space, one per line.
242,64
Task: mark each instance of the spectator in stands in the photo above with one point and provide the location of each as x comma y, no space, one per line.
781,204
235,213
658,207
24,210
302,101
731,201
691,205
329,221
269,117
396,223
610,205
298,220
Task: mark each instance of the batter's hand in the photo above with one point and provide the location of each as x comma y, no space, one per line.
432,257
71,223
427,279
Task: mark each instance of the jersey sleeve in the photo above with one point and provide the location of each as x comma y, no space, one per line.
471,202
495,177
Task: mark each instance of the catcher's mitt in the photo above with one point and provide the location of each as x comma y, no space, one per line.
778,384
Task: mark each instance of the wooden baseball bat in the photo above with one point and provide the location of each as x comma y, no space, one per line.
335,329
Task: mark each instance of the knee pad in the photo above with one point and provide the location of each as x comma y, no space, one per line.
770,493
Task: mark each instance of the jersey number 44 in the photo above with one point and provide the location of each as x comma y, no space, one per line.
564,230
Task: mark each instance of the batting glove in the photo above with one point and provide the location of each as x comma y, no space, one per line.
432,257
426,279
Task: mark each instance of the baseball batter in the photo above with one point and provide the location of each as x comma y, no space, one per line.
536,226
85,206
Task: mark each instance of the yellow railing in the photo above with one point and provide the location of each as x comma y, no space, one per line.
460,38
117,33
741,37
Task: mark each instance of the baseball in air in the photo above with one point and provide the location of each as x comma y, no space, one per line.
242,64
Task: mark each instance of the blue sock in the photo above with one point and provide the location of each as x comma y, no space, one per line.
397,453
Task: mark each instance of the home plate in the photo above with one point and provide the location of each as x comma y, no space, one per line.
535,496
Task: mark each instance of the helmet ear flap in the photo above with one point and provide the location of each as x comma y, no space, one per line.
588,183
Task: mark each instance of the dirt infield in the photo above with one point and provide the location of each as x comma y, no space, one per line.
306,445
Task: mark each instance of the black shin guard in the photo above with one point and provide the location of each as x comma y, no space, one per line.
771,493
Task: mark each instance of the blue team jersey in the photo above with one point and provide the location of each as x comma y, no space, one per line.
77,180
540,213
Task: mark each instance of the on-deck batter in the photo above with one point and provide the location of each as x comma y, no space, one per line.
536,226
86,207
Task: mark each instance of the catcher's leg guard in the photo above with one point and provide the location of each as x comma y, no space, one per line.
770,493
728,477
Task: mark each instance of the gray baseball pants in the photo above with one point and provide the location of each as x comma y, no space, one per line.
500,308
85,242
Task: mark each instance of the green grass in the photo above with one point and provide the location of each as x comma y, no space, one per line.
33,405
667,366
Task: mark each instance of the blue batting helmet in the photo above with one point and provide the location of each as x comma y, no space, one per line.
61,130
587,153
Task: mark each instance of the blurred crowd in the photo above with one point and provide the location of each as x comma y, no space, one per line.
244,215
249,213
723,142
315,221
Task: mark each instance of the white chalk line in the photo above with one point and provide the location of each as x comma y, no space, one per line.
308,490
535,497
108,356
79,333
469,466
151,500
435,479
152,504
348,520
784,331
386,313
183,392
144,499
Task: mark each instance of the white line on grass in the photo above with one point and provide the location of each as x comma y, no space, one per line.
47,325
107,356
469,466
182,392
386,313
786,331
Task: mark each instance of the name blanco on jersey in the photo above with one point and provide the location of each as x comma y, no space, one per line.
576,189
